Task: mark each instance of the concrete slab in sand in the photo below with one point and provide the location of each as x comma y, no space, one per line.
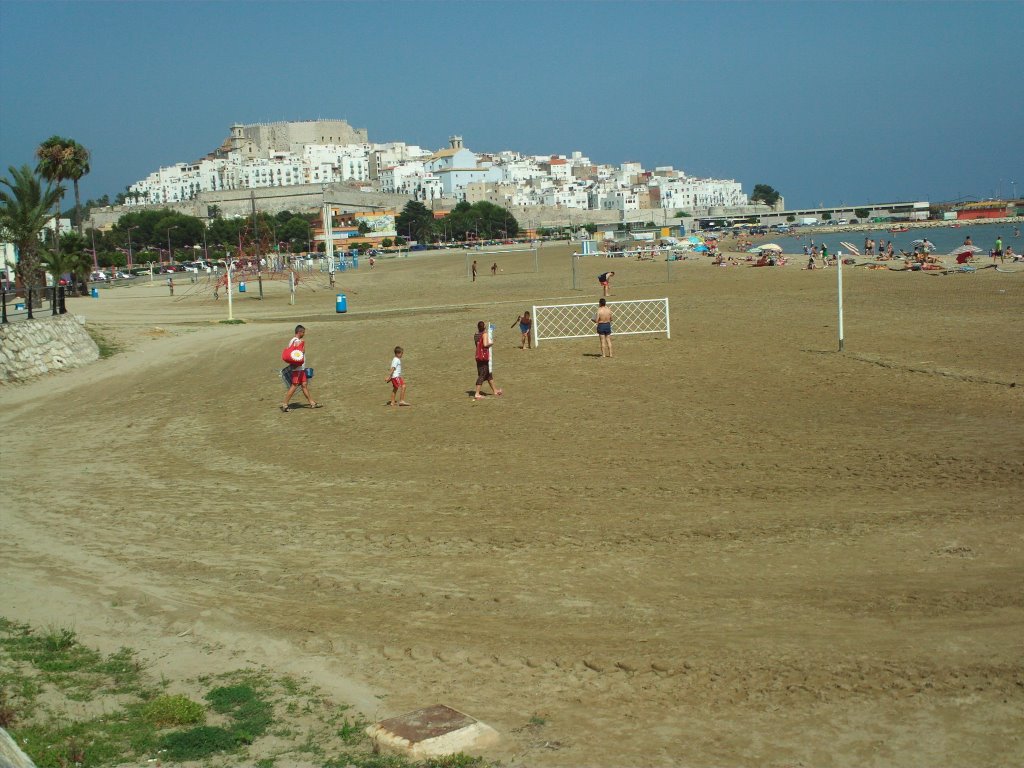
432,732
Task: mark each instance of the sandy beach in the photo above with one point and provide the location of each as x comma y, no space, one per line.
733,547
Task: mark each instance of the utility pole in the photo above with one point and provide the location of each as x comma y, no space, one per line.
255,230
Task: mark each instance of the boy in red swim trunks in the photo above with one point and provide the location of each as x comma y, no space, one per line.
297,368
395,378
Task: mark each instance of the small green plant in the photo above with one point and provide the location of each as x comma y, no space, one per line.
57,640
197,743
165,711
537,720
352,731
252,715
459,760
236,321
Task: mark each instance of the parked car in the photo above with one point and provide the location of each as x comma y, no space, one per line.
119,275
98,277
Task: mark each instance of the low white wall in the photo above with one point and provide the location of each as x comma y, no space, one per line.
31,348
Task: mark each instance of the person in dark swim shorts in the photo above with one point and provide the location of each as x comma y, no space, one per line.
603,319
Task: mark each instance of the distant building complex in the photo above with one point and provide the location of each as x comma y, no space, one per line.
331,151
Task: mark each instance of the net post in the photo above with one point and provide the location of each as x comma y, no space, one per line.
536,257
490,352
668,322
839,291
533,327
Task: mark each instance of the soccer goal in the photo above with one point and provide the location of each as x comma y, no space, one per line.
576,321
508,253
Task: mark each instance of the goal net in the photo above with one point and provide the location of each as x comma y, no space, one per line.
576,321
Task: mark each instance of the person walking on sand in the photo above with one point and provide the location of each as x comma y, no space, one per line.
494,269
525,324
170,285
483,343
603,319
474,270
997,252
395,378
295,355
605,279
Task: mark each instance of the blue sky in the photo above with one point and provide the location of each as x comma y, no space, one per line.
828,102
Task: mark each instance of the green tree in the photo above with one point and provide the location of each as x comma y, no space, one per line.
862,213
78,166
826,216
764,194
58,264
79,261
55,158
24,210
791,218
296,231
415,221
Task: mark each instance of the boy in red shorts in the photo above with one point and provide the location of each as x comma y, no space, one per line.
295,355
395,378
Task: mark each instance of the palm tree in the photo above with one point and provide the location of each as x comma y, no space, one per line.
78,166
24,210
55,156
59,264
79,260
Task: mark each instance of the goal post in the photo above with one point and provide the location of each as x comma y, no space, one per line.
576,321
472,252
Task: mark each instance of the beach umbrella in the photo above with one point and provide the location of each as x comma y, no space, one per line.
769,247
965,249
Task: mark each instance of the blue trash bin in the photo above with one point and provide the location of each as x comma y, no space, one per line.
95,293
342,265
241,287
341,304
355,261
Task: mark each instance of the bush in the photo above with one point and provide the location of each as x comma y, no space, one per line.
164,711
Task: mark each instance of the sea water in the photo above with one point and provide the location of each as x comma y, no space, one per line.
944,238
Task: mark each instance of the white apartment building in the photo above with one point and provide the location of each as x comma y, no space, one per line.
567,197
328,163
689,192
281,169
320,152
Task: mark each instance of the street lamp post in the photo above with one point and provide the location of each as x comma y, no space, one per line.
130,245
170,256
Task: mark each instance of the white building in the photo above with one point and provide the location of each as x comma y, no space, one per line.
321,152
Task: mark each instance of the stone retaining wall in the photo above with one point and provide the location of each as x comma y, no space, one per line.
30,348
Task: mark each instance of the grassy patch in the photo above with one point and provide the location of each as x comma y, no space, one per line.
108,348
236,321
237,718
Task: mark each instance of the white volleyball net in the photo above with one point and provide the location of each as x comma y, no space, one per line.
576,321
